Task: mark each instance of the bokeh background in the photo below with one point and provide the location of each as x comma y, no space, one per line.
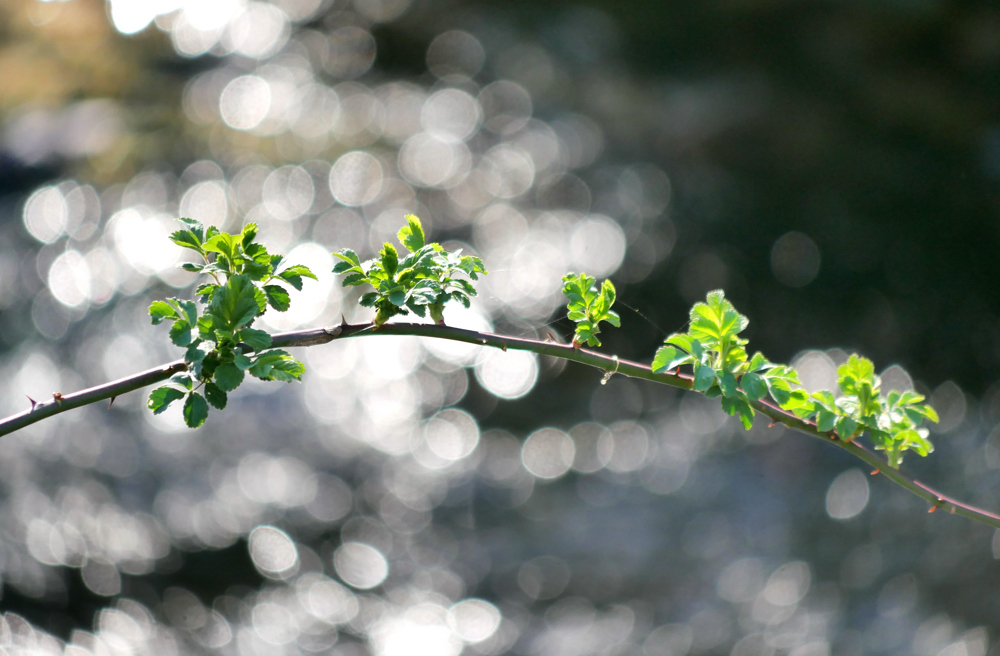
835,167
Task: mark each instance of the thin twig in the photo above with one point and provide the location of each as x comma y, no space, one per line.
607,363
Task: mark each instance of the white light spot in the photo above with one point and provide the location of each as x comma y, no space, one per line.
451,115
45,214
245,102
206,202
272,551
452,434
474,620
788,584
360,565
258,31
509,375
597,246
69,279
847,495
548,453
356,178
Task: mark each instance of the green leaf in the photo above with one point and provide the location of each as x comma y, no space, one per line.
912,439
727,382
192,267
668,358
161,398
258,340
181,332
412,235
294,274
754,386
223,243
716,319
216,395
846,427
195,410
190,236
160,310
228,376
739,405
704,376
825,420
235,304
277,297
389,260
247,235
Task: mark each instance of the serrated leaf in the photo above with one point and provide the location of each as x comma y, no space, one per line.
704,376
389,259
412,235
195,410
277,297
181,332
668,358
754,386
191,267
825,420
224,244
248,234
739,405
216,395
235,304
160,310
228,376
161,398
846,427
256,339
294,274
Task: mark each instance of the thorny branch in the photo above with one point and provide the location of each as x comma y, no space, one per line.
611,365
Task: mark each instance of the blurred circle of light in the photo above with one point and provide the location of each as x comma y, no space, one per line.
360,565
548,453
451,115
272,552
393,358
245,102
597,246
847,495
509,375
452,434
206,202
474,620
506,106
45,214
274,623
316,297
318,111
788,584
258,31
420,631
131,16
544,577
356,178
381,10
288,192
430,162
69,279
210,15
350,53
143,243
508,171
101,577
795,259
455,53
668,640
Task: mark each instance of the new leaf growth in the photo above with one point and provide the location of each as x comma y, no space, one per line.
714,350
422,282
588,306
243,276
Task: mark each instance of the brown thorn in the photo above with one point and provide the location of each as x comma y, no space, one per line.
33,403
503,346
773,422
932,509
876,471
111,401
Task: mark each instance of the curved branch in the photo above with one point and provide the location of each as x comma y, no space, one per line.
609,364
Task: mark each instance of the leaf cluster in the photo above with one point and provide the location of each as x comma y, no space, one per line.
422,282
588,306
721,367
221,346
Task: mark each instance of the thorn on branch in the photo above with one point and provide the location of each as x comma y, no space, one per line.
34,403
876,472
111,401
503,346
57,397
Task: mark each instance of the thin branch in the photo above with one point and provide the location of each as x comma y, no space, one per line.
611,365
